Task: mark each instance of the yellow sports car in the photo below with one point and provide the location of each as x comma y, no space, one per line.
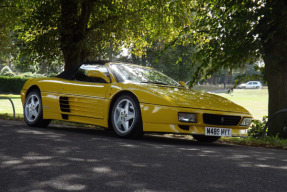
132,100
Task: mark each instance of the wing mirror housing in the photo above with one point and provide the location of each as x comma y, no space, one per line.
182,83
98,74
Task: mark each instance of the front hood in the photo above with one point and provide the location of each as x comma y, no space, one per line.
193,99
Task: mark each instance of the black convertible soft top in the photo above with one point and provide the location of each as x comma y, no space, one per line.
70,73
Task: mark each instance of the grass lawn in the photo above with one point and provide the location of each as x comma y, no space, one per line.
254,100
6,107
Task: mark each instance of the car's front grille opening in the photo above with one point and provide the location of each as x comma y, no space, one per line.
213,119
184,127
64,104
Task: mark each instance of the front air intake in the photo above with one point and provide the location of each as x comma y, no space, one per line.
228,120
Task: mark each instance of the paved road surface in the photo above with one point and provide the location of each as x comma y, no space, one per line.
68,159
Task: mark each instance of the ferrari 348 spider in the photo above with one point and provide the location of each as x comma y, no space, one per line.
132,100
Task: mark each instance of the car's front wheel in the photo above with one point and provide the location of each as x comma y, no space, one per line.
33,112
206,139
126,117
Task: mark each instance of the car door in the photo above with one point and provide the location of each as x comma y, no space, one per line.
249,85
255,85
84,96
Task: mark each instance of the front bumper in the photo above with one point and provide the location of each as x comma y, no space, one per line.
164,119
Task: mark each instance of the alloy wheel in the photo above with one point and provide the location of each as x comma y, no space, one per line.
32,108
124,116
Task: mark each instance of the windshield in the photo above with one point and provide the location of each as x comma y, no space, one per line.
139,74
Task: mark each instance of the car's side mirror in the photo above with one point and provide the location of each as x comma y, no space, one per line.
182,83
98,74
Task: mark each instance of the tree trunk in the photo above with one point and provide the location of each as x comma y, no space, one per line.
73,30
225,78
230,77
275,49
277,89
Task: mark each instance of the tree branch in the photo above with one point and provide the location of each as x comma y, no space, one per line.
97,24
6,6
87,7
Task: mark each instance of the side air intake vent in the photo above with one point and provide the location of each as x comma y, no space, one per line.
64,104
65,116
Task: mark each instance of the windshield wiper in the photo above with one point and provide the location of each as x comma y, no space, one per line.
155,82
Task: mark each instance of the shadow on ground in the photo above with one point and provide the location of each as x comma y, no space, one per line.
70,159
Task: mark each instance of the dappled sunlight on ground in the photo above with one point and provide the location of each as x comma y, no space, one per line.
69,159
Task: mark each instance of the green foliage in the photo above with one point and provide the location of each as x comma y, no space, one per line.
6,71
9,17
53,30
257,127
14,84
231,34
52,74
225,34
270,142
45,33
175,61
253,72
30,75
8,74
11,84
11,117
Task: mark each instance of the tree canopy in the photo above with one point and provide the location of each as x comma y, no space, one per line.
9,18
232,33
81,30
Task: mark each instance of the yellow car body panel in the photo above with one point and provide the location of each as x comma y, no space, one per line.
154,120
91,103
88,102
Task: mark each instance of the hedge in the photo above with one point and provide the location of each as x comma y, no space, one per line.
12,84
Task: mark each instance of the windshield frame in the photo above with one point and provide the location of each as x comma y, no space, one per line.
120,77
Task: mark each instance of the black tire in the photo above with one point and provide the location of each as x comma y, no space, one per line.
126,117
33,111
206,139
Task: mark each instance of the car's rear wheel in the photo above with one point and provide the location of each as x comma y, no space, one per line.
206,139
126,117
33,112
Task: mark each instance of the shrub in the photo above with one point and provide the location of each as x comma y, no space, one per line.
31,75
257,127
52,75
8,74
12,84
27,74
6,71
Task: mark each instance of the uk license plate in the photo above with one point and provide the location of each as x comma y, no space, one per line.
215,131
